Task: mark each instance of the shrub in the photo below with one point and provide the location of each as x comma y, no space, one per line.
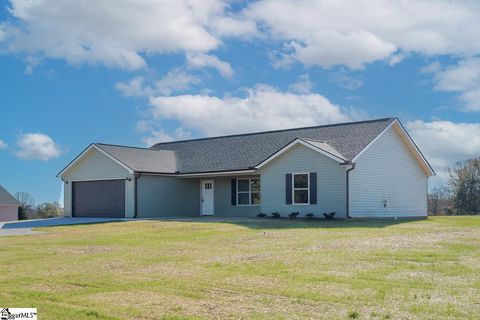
310,215
293,215
329,216
261,215
276,214
49,210
353,314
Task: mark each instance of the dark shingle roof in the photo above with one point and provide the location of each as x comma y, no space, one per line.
238,152
142,159
6,199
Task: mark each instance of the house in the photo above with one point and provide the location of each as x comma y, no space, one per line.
8,206
358,169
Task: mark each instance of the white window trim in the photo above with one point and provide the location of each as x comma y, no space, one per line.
293,188
250,204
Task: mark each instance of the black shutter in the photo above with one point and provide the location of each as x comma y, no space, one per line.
288,188
313,188
234,192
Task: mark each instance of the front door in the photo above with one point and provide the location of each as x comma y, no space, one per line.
207,197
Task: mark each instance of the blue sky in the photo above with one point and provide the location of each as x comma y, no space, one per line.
141,72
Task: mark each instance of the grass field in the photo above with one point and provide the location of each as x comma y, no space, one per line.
263,269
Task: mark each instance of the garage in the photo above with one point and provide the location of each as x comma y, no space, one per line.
100,199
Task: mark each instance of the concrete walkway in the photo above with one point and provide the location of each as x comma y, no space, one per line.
24,227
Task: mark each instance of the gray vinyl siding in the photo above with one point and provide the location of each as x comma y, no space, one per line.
300,159
223,199
94,165
388,170
8,213
164,196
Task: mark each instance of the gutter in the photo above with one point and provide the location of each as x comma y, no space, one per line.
347,187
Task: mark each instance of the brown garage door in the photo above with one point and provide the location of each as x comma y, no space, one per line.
105,199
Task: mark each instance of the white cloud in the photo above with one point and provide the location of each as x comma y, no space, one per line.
446,142
303,85
235,27
37,146
117,33
3,145
327,33
134,88
174,81
354,49
31,63
397,58
319,33
463,78
263,108
344,80
201,60
3,32
432,67
160,135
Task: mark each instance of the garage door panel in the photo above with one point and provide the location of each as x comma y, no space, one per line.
99,198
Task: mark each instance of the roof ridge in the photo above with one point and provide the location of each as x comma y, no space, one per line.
309,139
273,131
129,147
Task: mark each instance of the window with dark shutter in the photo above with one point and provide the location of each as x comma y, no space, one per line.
234,192
248,192
288,188
301,188
313,188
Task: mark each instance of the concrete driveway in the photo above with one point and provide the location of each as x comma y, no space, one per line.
24,227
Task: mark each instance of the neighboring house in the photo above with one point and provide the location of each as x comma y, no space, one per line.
359,169
8,206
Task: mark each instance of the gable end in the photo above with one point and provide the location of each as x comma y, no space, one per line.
407,140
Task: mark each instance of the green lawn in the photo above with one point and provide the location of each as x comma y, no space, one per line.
263,269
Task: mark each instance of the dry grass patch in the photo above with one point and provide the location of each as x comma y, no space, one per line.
248,269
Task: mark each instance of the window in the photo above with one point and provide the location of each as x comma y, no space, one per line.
208,186
248,192
301,188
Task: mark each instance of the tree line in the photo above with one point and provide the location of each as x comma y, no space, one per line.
460,195
28,209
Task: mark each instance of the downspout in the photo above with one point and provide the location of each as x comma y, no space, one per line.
135,178
347,188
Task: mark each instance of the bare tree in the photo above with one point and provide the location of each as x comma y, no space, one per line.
439,201
26,203
464,181
25,199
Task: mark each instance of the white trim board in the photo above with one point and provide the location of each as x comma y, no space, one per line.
219,173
